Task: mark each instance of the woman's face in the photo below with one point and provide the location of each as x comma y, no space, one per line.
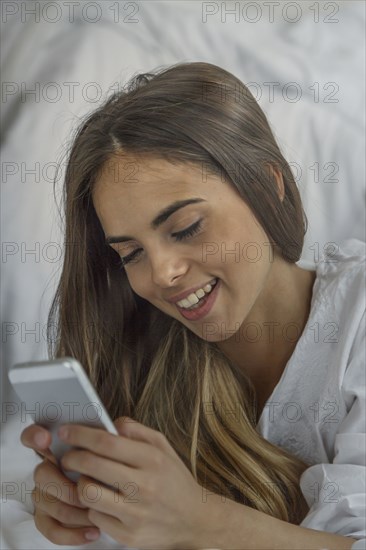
163,259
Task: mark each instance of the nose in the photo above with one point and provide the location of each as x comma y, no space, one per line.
167,268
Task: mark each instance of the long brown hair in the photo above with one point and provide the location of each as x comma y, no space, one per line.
143,363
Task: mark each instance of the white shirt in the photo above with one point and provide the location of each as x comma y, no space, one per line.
317,409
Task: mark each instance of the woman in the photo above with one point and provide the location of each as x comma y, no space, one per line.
181,297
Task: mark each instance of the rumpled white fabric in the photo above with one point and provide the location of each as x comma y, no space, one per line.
317,410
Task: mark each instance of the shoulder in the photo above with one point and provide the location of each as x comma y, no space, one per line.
339,292
325,375
339,298
342,265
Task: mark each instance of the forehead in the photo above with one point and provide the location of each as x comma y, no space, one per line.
143,180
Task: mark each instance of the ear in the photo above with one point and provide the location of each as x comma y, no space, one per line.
277,174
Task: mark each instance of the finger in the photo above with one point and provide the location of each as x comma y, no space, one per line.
139,432
121,421
51,481
103,499
47,455
71,516
113,527
135,430
39,439
135,454
114,474
132,429
36,437
58,534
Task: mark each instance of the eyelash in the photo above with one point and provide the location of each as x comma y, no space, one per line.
180,236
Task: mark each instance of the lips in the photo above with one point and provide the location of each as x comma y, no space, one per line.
178,297
206,306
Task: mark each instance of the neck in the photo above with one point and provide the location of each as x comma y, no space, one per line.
270,332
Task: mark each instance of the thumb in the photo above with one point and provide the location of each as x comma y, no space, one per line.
120,422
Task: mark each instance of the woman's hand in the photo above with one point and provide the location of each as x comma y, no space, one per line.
136,487
58,514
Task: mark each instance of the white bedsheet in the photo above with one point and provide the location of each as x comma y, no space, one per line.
313,55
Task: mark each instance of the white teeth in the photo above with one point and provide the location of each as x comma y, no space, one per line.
194,298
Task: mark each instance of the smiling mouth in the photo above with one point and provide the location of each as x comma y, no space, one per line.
195,299
203,307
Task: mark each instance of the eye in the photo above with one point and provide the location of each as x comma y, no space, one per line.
127,259
180,236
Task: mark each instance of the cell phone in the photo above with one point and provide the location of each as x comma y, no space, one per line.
56,392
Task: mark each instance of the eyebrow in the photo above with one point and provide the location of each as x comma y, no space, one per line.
158,220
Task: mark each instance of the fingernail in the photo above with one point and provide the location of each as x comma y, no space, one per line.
40,439
91,535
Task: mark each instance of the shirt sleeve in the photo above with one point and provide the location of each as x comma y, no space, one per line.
336,492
